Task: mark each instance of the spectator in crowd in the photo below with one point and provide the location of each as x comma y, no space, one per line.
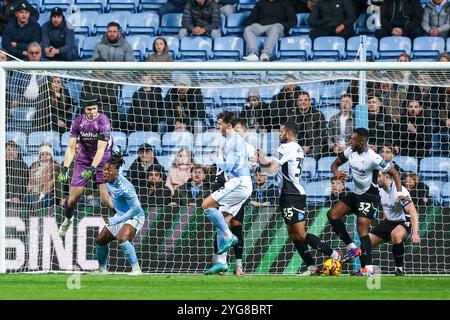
61,107
403,75
106,92
387,153
332,18
443,57
400,18
180,171
391,98
194,191
255,111
282,106
113,46
41,185
338,189
20,32
8,9
380,124
227,7
443,132
16,173
415,130
160,51
138,169
201,18
274,18
435,20
147,109
312,128
264,192
172,6
426,92
419,191
340,126
184,105
156,194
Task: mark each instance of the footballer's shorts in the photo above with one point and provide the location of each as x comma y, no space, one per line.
363,205
293,208
384,228
82,165
240,215
233,195
137,222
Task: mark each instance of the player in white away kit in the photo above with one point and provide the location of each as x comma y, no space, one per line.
364,165
226,202
399,219
288,166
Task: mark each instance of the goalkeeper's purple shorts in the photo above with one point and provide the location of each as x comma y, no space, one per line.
80,166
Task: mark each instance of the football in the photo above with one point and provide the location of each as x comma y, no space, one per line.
332,267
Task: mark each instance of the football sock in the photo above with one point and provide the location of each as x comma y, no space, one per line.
221,258
216,217
239,262
351,246
239,246
302,249
215,245
398,250
318,244
102,255
366,254
338,227
68,212
129,252
335,255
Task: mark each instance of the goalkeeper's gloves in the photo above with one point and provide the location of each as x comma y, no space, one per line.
63,176
89,173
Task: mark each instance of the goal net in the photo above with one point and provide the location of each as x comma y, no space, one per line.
164,121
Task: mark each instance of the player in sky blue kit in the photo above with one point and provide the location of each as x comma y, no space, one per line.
128,219
222,205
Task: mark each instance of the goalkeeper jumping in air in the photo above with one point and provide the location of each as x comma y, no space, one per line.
127,221
94,132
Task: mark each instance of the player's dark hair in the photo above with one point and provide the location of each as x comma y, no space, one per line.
291,126
116,160
362,132
240,121
226,116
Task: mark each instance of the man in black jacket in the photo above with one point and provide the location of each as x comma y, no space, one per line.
201,18
332,18
401,18
272,18
8,9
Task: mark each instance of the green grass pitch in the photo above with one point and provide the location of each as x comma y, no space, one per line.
192,287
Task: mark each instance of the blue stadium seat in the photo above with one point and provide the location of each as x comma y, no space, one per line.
271,142
253,138
235,23
19,137
35,4
173,141
79,38
48,5
428,47
166,161
126,5
445,196
196,48
302,27
210,96
435,187
87,48
58,159
97,5
136,139
408,164
83,22
208,141
75,88
267,92
65,137
330,94
170,23
435,168
21,117
228,48
392,47
246,4
126,166
30,159
295,49
309,169
121,17
140,44
329,48
249,76
120,140
44,17
324,167
233,97
353,47
36,138
145,22
366,24
147,5
318,191
126,96
203,158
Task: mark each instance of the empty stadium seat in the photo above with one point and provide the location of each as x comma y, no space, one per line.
19,137
87,48
145,22
136,139
140,45
170,23
129,5
353,44
309,168
126,96
435,188
75,88
44,17
196,48
295,49
65,137
120,140
329,48
435,168
235,23
208,141
302,27
48,5
318,191
428,47
21,117
83,22
233,97
36,138
97,5
228,48
246,4
392,47
324,167
121,17
151,4
408,164
445,196
173,141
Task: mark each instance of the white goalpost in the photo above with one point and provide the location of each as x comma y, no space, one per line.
164,107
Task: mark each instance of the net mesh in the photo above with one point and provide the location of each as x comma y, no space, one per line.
406,112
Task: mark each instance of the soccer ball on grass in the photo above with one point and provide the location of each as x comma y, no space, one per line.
332,267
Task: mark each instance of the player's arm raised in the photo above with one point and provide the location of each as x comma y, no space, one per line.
269,167
410,209
398,183
63,176
340,160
